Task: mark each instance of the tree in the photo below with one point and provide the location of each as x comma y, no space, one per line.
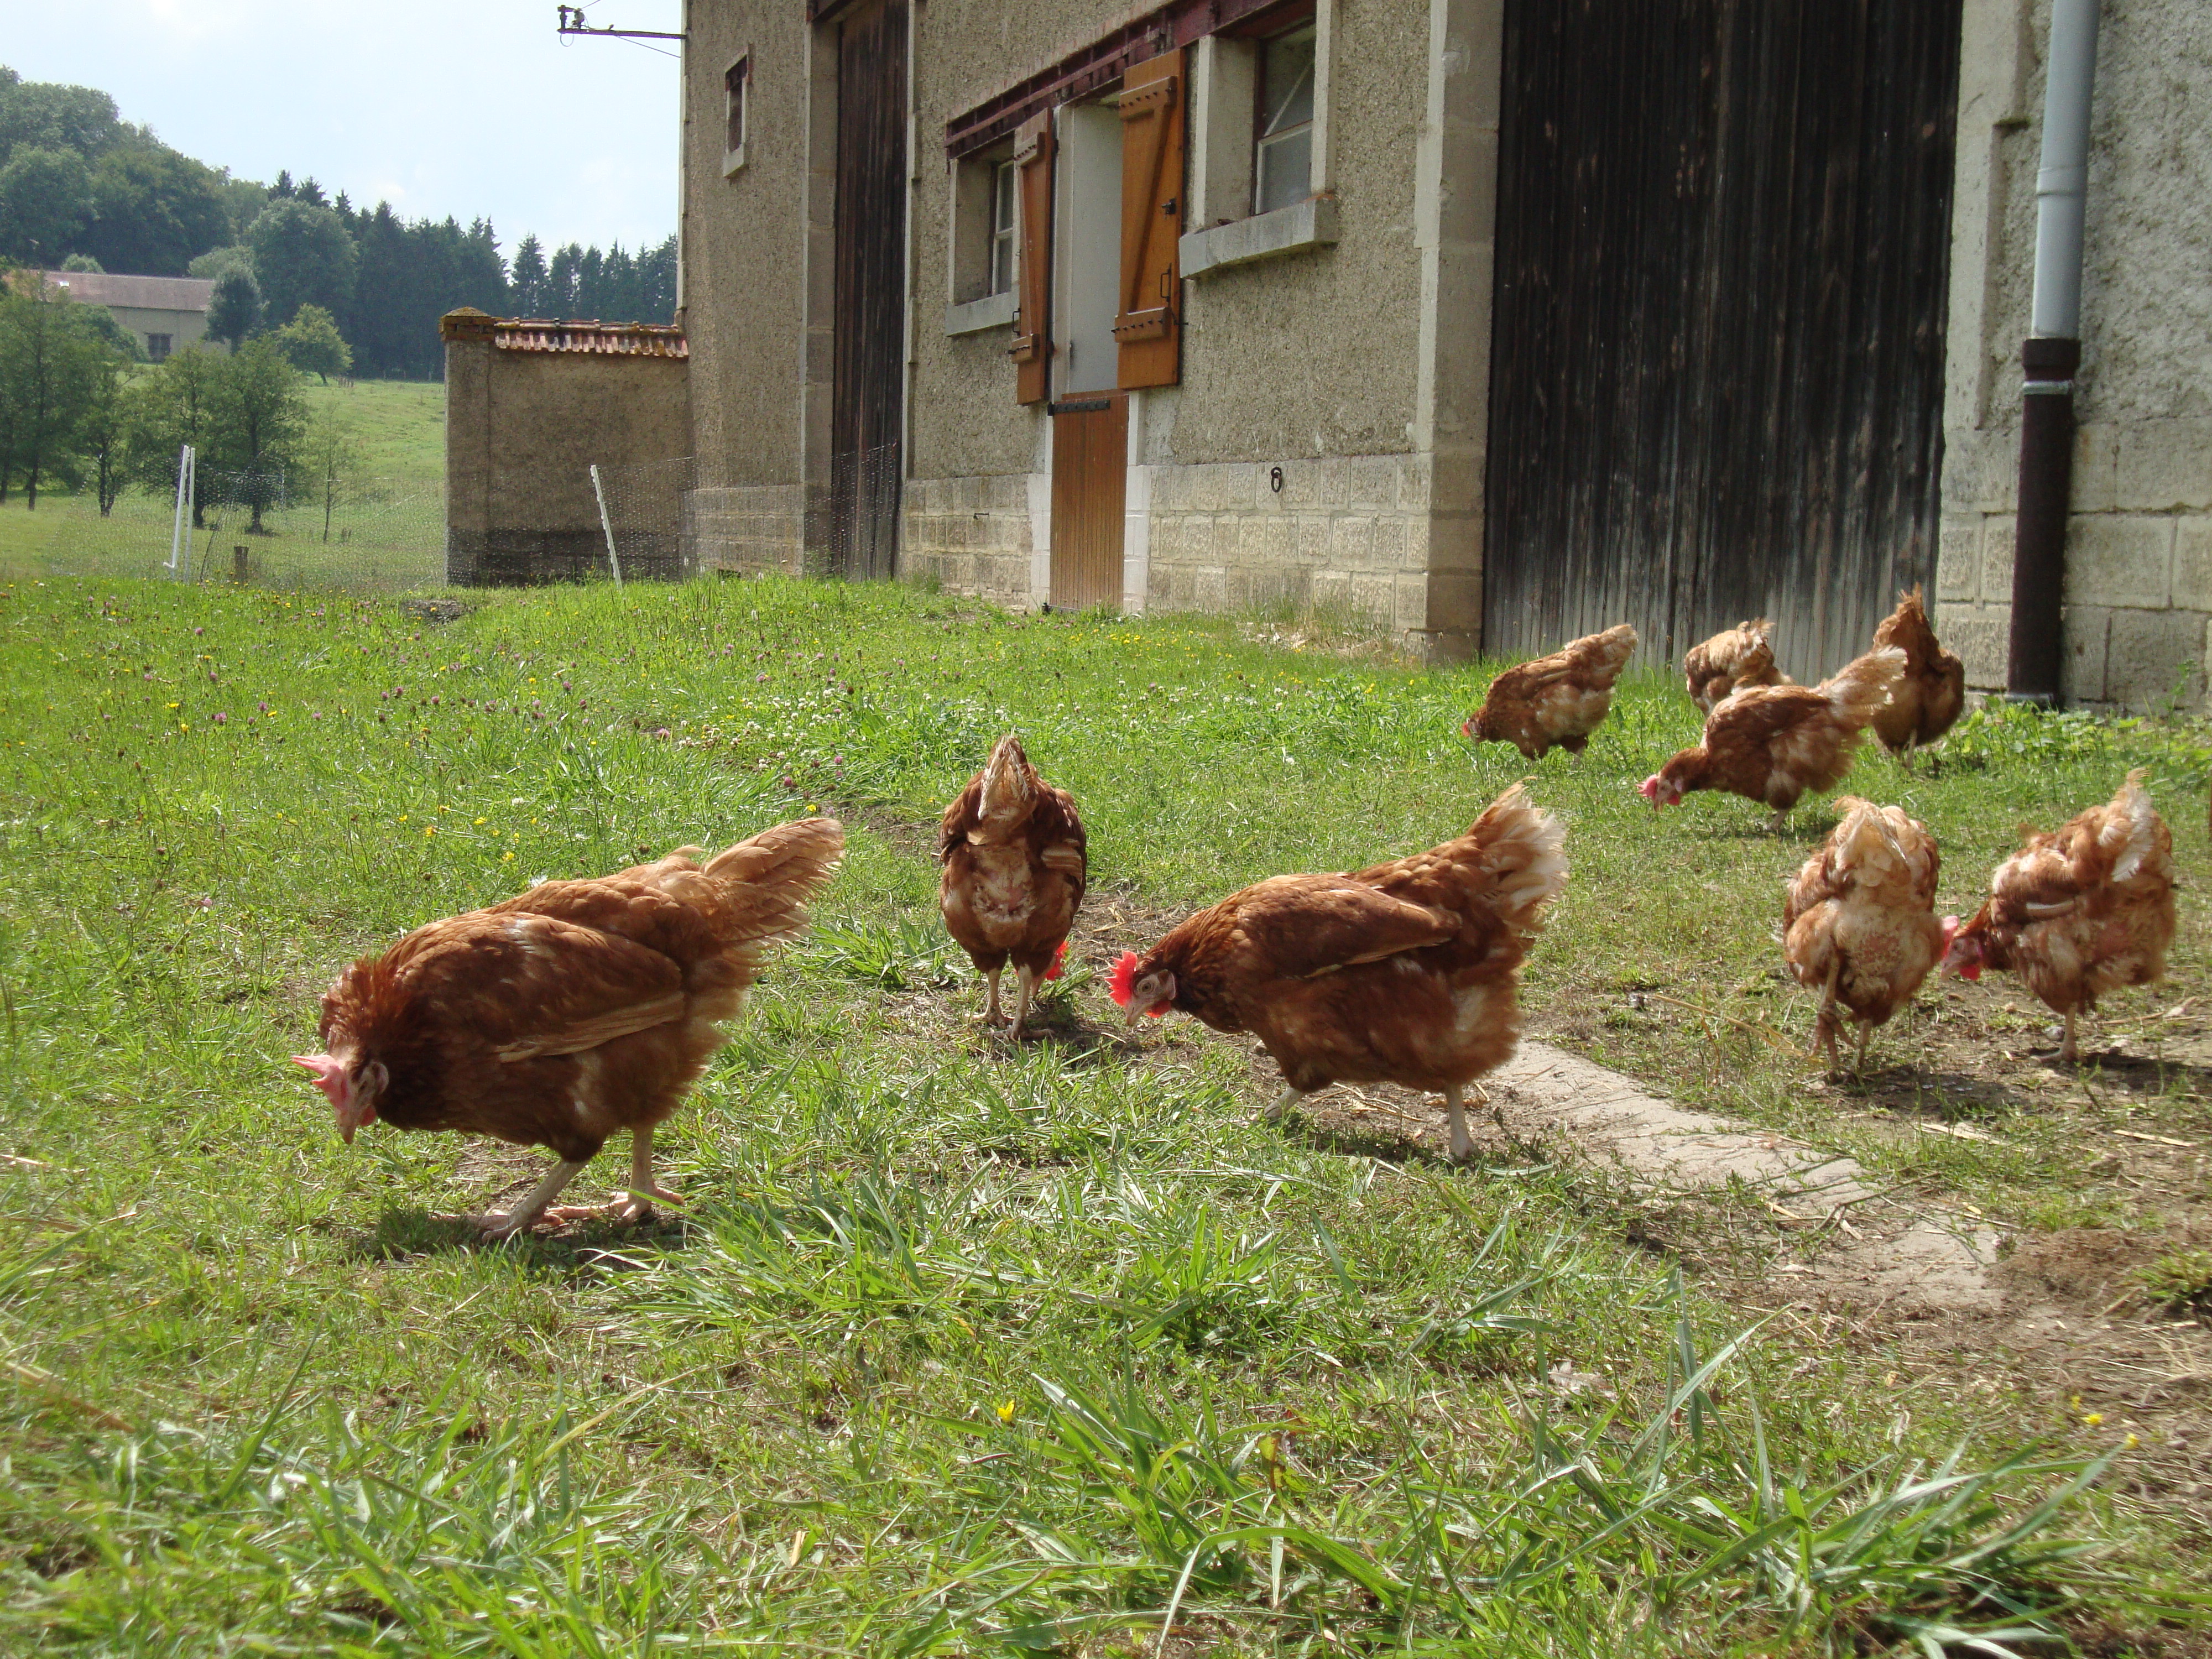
259,415
49,365
85,263
153,209
216,260
173,406
234,307
302,255
527,283
103,436
43,115
45,199
330,454
312,344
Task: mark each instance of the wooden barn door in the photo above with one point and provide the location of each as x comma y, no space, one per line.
869,316
1718,340
1090,488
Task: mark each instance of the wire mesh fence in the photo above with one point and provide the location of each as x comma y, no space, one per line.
370,534
669,521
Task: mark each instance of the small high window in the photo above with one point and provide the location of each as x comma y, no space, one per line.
1004,180
1282,169
733,94
157,347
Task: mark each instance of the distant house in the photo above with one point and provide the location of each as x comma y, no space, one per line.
166,314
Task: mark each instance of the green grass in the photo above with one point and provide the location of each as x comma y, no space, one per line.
957,1350
387,530
399,424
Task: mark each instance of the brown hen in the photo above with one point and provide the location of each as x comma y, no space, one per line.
1931,692
1554,702
2079,912
1859,923
1012,849
1771,744
1731,659
1404,972
575,1009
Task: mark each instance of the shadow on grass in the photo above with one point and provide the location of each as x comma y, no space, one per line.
403,1233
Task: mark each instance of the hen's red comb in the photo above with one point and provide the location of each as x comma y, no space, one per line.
1123,982
1059,961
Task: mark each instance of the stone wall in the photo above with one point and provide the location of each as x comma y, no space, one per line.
530,408
2138,601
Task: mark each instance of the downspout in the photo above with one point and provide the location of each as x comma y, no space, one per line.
2051,355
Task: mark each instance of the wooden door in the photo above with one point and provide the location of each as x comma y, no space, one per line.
1717,363
868,321
1090,487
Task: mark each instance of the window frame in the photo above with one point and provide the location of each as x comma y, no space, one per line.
1002,228
1309,129
737,111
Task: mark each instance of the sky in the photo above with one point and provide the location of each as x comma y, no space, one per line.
469,107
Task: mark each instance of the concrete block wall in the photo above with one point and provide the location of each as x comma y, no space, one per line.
1347,534
746,530
969,535
2138,617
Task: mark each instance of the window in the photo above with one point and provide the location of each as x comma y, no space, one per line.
733,96
1004,185
1282,167
157,347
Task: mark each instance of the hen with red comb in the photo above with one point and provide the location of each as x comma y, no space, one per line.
1404,972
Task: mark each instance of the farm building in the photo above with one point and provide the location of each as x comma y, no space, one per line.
166,314
1491,320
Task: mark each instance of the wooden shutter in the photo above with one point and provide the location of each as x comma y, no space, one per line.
1032,348
1147,330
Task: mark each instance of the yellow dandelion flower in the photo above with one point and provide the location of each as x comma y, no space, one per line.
507,858
2093,1419
428,831
2130,1443
479,822
1006,1411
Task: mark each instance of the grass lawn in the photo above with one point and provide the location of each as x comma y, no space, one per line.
964,1348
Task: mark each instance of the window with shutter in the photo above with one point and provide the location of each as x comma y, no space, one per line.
1147,331
1032,348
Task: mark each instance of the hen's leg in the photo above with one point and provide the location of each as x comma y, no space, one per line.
1463,1144
1824,1023
637,1204
1779,822
1283,1101
1024,987
1866,1031
529,1211
2067,1050
991,1014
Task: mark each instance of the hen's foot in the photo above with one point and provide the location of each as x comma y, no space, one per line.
635,1205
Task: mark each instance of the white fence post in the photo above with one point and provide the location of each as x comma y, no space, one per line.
184,481
614,563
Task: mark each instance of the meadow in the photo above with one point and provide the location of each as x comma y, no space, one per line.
966,1346
386,530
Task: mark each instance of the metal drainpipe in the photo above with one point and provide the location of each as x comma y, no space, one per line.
2051,355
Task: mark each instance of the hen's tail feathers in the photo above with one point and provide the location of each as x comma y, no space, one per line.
1608,653
2128,834
1863,685
1880,848
1525,849
768,880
